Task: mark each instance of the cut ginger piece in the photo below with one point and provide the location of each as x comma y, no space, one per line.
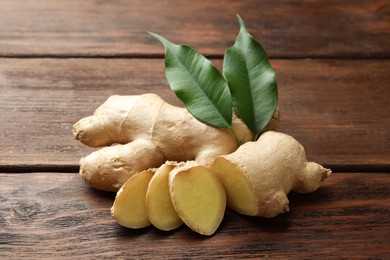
129,205
239,191
159,207
198,197
258,176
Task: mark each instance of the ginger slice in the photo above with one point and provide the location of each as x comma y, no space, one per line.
129,205
198,197
159,207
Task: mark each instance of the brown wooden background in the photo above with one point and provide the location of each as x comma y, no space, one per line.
60,59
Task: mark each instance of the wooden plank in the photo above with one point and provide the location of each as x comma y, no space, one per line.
55,215
110,28
337,109
41,99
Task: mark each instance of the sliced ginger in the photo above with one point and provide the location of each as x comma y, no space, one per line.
198,197
159,207
256,178
129,205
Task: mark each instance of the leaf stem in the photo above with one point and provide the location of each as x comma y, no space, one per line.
239,143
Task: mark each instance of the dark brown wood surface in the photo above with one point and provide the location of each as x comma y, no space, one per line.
61,216
340,28
59,60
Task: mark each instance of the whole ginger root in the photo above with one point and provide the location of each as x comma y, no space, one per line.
146,132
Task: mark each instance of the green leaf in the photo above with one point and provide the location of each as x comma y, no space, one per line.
198,84
251,80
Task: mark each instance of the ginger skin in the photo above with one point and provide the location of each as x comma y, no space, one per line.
148,131
259,175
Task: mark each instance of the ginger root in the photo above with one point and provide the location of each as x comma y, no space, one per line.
147,132
259,175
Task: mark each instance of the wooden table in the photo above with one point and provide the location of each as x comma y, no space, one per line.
60,59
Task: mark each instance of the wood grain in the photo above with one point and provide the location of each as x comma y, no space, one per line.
55,215
307,28
337,109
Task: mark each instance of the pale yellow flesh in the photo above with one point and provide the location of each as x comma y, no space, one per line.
240,194
159,207
199,199
129,205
